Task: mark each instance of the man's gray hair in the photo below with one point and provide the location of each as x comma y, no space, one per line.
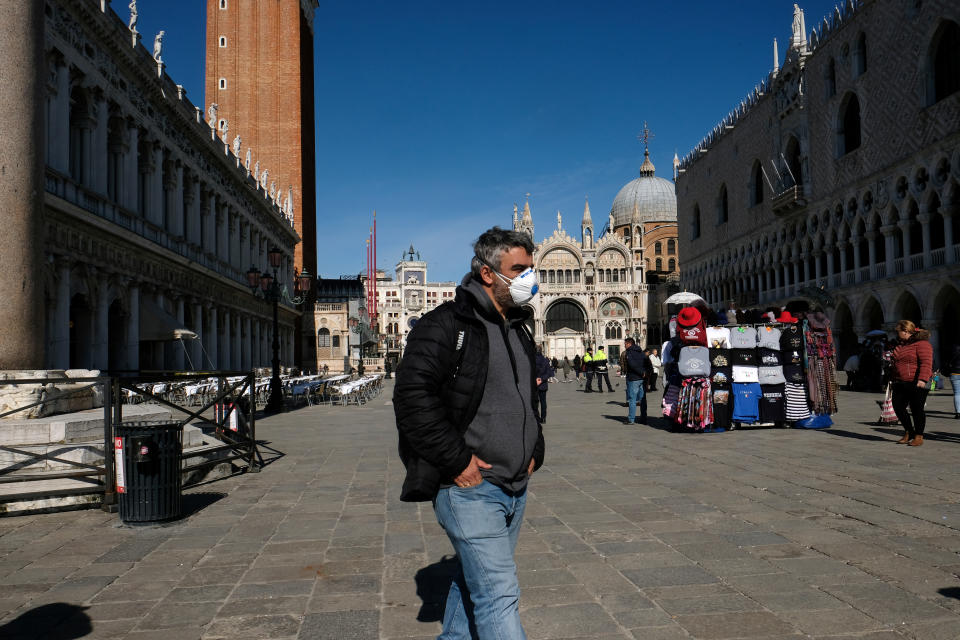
492,243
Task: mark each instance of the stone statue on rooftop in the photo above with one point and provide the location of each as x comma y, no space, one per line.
133,16
263,179
273,189
256,169
247,163
236,145
212,113
225,129
158,46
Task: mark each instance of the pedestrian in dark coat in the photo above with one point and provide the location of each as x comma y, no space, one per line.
545,371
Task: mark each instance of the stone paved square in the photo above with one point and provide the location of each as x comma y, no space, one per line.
631,532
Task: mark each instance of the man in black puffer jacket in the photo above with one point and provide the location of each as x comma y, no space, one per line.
466,408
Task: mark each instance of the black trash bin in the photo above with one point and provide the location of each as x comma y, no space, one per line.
150,484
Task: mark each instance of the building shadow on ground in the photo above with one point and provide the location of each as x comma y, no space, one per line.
196,502
433,583
950,592
56,621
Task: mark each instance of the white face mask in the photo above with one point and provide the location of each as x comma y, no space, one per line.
522,287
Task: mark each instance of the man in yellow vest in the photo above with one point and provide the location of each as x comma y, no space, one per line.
600,367
588,369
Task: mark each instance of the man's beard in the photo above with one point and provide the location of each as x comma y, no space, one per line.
501,293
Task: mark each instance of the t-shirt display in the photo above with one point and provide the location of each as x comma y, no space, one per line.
768,337
718,337
772,403
743,338
694,361
746,402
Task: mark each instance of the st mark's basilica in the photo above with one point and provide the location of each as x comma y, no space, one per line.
596,291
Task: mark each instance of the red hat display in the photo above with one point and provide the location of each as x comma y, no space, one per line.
688,317
787,318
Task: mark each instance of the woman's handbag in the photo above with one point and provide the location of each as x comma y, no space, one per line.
887,414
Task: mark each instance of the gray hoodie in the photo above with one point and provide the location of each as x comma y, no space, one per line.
504,431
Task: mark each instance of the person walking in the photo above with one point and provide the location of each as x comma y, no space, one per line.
588,370
577,366
637,370
600,370
544,372
655,365
912,361
566,369
954,366
465,403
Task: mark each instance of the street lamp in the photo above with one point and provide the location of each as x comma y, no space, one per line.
268,287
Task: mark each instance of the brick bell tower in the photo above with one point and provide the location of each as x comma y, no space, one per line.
260,73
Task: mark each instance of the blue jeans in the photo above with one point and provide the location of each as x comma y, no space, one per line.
635,393
483,524
955,383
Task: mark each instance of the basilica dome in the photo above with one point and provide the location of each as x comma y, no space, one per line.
654,198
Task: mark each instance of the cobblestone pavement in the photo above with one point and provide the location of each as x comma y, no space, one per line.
631,532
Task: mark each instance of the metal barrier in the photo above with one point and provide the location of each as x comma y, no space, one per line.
234,428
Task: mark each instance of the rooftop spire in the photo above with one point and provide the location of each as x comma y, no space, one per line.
647,168
776,57
586,211
526,210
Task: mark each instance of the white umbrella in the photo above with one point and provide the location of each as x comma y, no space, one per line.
684,297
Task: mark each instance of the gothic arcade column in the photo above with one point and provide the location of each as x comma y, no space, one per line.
133,329
129,186
949,211
889,247
99,349
905,227
22,69
179,348
97,172
213,339
924,218
197,353
60,339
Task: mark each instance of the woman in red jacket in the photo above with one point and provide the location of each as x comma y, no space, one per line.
912,369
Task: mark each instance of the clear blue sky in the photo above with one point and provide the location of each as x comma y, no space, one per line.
441,115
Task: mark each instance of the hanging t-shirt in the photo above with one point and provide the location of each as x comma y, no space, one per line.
768,337
793,373
772,403
743,338
746,374
718,337
744,357
695,335
771,375
746,402
797,406
694,361
791,337
791,356
722,408
769,357
720,358
721,377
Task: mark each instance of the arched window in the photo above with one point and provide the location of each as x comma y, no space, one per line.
323,337
848,131
860,56
756,184
695,229
564,315
794,164
830,79
943,64
659,264
658,248
672,265
223,42
723,206
671,247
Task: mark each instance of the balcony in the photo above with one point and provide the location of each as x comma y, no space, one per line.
790,199
938,257
916,263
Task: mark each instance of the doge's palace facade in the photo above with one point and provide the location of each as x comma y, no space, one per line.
149,219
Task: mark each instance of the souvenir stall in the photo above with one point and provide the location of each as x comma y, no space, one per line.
778,370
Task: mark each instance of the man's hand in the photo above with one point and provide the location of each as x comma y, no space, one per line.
530,467
921,384
470,477
539,381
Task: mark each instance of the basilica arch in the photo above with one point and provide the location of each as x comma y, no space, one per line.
565,329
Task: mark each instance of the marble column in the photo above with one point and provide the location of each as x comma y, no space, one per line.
924,219
60,339
100,347
226,344
817,266
197,353
235,356
22,69
58,122
907,232
213,340
872,249
179,349
806,266
128,188
97,171
948,211
889,246
133,328
245,361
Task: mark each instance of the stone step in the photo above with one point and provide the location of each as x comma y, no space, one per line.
34,493
80,426
21,458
